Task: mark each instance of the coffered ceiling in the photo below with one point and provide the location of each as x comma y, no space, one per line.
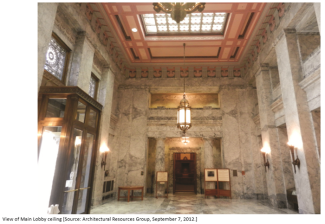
140,48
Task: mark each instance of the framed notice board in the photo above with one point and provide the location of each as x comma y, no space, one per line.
161,178
224,176
217,176
210,175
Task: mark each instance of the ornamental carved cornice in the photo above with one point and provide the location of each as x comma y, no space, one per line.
70,90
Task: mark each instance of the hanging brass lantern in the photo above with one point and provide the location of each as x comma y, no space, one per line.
178,10
184,115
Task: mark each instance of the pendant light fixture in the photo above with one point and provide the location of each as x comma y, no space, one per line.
184,110
178,10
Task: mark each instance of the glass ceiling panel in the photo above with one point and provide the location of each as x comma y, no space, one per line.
195,23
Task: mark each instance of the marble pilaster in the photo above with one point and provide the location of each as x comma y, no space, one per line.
246,126
160,164
274,174
208,158
285,158
132,142
105,97
317,8
230,137
46,18
82,61
299,124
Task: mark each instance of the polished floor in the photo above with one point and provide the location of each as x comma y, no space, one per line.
188,203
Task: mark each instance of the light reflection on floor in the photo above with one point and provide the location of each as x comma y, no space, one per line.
188,203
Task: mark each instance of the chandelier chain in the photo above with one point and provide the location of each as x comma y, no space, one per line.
184,66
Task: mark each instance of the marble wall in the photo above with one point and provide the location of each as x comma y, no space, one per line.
131,144
46,17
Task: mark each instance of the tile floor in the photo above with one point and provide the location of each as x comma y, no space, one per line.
188,203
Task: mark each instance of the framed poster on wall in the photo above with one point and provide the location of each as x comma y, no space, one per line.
210,175
162,176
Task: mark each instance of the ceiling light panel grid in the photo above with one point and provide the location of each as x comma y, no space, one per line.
202,23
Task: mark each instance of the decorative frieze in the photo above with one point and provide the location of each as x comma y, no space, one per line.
171,73
272,22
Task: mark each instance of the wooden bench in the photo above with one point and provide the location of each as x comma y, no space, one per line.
130,188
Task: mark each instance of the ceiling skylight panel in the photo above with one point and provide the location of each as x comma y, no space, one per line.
161,21
196,19
195,28
149,21
219,19
207,20
173,28
203,23
151,29
162,28
206,27
216,27
184,27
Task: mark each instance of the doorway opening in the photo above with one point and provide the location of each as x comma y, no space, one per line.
184,172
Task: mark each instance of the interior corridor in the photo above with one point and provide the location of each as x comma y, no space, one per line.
188,203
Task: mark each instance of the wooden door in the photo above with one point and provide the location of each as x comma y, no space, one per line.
195,172
174,174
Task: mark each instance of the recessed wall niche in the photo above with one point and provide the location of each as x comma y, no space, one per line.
196,100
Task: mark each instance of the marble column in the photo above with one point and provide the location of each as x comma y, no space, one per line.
160,164
317,8
299,124
285,158
208,158
82,62
106,87
46,18
274,174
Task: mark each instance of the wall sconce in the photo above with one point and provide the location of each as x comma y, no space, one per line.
295,162
265,152
104,149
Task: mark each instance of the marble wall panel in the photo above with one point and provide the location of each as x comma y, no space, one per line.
311,85
231,142
246,126
285,158
46,18
307,44
81,63
132,139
